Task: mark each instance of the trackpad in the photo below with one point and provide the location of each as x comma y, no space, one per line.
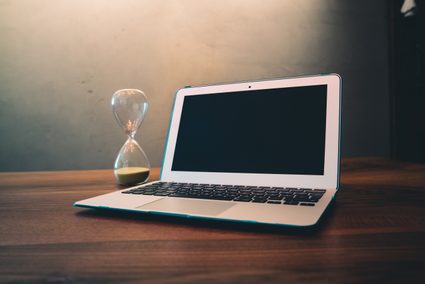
187,206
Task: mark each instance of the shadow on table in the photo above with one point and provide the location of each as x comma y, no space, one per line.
214,224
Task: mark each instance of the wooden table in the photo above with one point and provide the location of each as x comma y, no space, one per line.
375,232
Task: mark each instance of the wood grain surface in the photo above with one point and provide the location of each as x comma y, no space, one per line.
373,233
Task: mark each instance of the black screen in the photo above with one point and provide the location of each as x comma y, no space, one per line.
275,131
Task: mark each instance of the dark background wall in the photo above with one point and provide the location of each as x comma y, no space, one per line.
60,62
407,73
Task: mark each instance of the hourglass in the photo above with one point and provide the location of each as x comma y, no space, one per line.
132,165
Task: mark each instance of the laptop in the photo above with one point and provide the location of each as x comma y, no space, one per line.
261,152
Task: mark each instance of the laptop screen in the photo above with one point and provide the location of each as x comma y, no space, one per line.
273,131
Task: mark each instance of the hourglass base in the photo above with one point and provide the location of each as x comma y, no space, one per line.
132,175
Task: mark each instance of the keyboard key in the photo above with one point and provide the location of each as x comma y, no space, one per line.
296,190
306,204
242,199
228,198
178,195
291,202
276,198
301,199
274,202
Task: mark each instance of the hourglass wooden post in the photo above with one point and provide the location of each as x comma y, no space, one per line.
131,165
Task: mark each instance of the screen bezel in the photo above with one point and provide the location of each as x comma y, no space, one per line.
329,179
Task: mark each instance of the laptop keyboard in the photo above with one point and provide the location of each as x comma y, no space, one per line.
272,195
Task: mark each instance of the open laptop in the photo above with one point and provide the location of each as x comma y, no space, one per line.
262,151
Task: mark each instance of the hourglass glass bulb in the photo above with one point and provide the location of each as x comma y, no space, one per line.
131,165
129,107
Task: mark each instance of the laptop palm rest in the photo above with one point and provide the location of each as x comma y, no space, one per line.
187,206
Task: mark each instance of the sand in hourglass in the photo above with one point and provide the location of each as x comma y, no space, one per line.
131,175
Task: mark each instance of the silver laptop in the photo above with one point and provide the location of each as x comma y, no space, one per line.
262,151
